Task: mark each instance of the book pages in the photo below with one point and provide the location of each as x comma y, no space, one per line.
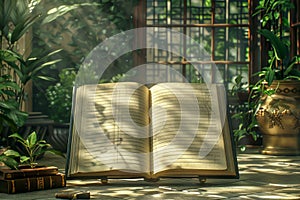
126,130
187,130
100,142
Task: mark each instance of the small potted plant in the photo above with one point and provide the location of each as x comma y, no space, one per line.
30,150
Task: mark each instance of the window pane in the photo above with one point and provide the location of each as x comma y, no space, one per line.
231,12
217,31
199,48
231,44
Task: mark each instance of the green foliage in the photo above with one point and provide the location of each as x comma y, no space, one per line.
239,85
275,29
59,96
280,66
77,27
10,115
245,116
247,122
9,158
80,25
29,70
271,11
16,21
15,13
33,147
56,12
17,67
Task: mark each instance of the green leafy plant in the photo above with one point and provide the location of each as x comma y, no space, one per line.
244,115
17,21
239,85
247,122
19,65
275,27
29,70
10,115
280,66
34,148
78,26
59,96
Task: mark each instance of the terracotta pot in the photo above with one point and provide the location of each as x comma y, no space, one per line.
279,119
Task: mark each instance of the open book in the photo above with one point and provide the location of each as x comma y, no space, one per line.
127,130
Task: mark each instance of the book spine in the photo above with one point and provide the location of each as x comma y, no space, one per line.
32,184
28,174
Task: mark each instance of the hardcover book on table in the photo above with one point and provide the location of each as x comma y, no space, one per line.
20,185
27,172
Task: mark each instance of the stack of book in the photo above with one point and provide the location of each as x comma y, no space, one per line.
26,180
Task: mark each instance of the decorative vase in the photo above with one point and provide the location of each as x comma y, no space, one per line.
279,119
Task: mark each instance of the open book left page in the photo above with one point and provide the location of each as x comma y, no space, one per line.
110,135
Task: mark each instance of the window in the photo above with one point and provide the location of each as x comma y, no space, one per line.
220,26
295,29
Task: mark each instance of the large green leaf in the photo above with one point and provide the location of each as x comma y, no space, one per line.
9,85
30,69
20,11
18,117
280,49
6,105
24,159
32,139
36,70
22,27
8,161
16,135
6,7
12,153
17,13
8,56
290,67
45,78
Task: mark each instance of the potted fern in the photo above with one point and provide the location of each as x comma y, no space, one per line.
276,94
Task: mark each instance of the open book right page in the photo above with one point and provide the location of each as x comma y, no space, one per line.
187,129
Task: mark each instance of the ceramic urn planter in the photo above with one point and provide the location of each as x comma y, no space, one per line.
279,119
